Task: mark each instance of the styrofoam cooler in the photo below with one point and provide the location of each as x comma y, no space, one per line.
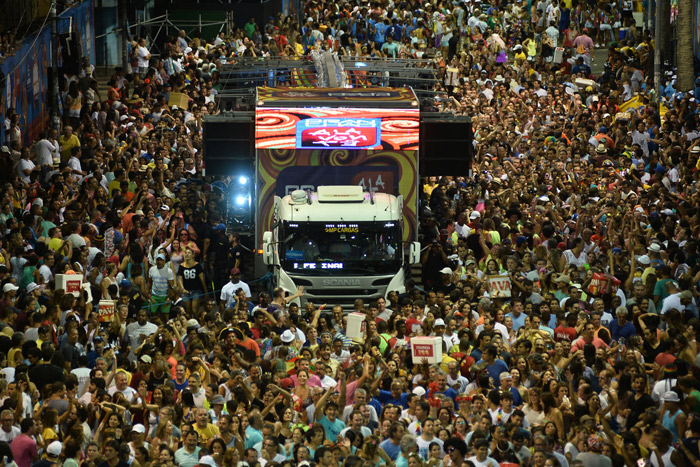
71,283
558,55
356,326
428,348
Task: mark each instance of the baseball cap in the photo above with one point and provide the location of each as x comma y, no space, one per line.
235,271
54,449
161,256
138,428
419,391
217,400
219,227
146,359
9,287
446,270
439,322
475,215
193,323
207,460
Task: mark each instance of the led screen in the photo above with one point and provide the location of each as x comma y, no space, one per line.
336,128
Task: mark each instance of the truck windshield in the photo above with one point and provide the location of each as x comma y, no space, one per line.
311,248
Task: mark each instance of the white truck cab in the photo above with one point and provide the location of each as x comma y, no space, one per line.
340,242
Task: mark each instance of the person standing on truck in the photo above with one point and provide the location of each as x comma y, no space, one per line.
220,261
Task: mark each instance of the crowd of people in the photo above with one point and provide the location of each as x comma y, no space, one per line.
560,280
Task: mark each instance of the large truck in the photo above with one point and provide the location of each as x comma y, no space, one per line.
340,243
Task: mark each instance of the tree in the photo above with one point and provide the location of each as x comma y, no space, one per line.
684,47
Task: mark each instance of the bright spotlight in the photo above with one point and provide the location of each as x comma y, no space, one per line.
242,180
241,200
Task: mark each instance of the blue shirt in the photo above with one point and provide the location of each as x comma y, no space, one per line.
495,370
333,429
391,450
517,322
380,32
627,330
385,397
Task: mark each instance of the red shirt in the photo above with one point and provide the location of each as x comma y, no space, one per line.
564,333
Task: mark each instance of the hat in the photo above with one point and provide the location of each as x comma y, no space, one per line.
287,383
474,215
138,428
54,449
505,375
161,256
587,418
419,391
446,270
439,322
193,323
146,359
207,460
219,227
644,259
235,271
97,339
520,240
695,150
165,207
32,286
686,295
601,149
470,262
563,278
217,400
9,287
654,248
287,336
671,396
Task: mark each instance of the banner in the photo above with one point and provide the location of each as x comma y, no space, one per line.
499,286
599,284
106,311
26,78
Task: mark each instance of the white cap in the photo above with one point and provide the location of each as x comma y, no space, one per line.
9,287
475,215
54,449
207,460
439,322
446,270
644,259
419,391
32,286
138,428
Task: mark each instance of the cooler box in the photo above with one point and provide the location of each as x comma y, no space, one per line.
356,326
71,283
429,348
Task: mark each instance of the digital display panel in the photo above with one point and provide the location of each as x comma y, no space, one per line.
358,133
337,128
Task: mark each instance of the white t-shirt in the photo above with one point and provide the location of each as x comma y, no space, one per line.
142,55
572,259
24,164
44,151
228,292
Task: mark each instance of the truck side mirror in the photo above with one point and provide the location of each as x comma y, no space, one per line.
414,253
268,249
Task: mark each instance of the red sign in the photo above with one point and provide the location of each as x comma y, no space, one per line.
106,311
599,284
73,286
423,350
339,137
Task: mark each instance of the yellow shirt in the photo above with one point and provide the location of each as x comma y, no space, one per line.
205,434
67,144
